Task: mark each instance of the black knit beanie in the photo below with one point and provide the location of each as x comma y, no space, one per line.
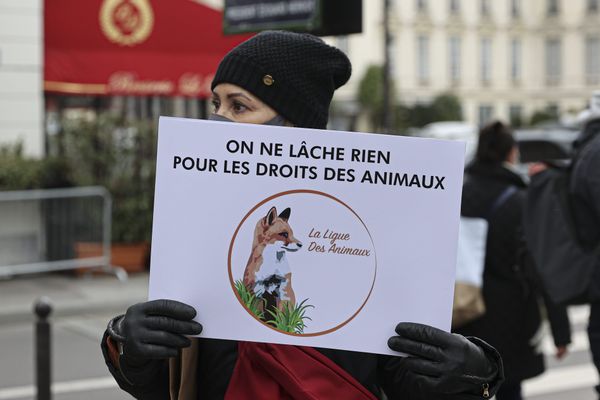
295,74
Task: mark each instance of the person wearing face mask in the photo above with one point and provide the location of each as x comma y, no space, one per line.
286,79
494,190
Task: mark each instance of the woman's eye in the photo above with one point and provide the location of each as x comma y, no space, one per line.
216,106
284,234
239,107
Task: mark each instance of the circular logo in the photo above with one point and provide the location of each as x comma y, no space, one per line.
302,262
126,22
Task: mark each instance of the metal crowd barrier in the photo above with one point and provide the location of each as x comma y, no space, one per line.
56,229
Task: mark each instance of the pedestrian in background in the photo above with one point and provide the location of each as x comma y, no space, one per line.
283,78
493,190
585,190
584,201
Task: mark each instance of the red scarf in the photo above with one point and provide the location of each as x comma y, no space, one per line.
268,371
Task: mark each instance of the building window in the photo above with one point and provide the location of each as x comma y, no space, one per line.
515,115
553,110
454,53
485,8
553,61
423,59
454,7
486,60
392,44
553,7
516,59
421,5
515,8
593,6
486,113
592,59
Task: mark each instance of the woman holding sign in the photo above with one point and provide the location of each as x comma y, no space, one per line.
287,79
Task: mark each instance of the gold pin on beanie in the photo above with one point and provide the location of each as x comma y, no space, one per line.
294,73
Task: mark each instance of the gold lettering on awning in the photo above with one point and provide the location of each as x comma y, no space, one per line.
127,82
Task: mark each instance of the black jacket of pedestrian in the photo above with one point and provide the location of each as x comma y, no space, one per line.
585,185
585,191
511,293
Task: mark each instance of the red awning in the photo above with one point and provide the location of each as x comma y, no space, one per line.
132,47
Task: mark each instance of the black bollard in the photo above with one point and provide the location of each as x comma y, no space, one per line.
43,308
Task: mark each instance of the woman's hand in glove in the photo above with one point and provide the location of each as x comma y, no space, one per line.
445,364
154,330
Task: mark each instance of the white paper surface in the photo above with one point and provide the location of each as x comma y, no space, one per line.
363,254
470,258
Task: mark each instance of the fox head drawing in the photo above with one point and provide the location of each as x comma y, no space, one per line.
275,230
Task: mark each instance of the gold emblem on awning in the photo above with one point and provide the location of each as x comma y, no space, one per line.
126,22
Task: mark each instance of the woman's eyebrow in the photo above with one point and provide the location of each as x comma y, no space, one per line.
238,94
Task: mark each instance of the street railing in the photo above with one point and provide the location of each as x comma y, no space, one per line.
45,230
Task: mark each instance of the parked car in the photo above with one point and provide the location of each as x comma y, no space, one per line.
537,144
453,130
550,144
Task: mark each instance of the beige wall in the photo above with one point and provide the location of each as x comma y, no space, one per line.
532,92
21,75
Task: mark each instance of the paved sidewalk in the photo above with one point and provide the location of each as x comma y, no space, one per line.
70,295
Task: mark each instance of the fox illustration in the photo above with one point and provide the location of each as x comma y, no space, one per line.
268,272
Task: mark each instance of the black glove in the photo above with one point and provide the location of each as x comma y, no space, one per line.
154,330
444,364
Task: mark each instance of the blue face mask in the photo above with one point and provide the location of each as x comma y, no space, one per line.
278,120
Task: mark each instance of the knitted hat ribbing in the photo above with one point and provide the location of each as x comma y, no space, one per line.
295,74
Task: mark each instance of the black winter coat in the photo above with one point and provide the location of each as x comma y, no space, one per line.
585,192
510,290
585,188
217,359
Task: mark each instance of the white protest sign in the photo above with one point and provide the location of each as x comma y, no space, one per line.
306,237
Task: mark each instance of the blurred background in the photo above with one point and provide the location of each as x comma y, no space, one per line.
82,84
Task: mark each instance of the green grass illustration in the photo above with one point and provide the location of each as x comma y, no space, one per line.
290,319
252,303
